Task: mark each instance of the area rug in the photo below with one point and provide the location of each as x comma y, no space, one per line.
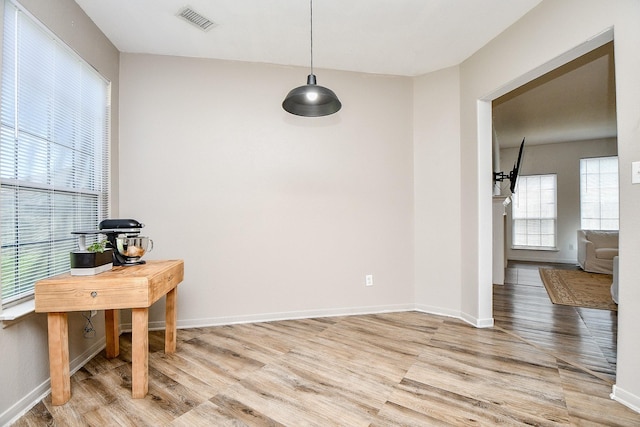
578,288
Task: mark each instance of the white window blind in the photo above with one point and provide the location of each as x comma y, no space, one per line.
599,193
54,153
534,212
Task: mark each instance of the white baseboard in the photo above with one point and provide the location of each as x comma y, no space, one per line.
478,323
293,315
438,311
629,400
544,260
36,395
273,317
309,314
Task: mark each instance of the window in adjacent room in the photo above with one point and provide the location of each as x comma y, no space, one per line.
599,193
534,213
54,153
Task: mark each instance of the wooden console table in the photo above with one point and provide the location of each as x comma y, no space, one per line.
135,287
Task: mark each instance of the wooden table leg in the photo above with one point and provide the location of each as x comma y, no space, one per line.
58,329
111,333
140,352
171,317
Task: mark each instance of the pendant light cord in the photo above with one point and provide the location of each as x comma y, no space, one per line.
311,14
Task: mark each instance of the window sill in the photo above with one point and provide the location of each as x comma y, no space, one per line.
534,248
15,313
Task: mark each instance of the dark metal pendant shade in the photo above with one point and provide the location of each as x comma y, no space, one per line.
311,100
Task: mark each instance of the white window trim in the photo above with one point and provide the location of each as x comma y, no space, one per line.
19,309
582,219
555,224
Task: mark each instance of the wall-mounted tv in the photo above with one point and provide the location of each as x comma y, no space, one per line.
513,175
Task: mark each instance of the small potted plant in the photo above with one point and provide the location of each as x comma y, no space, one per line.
95,259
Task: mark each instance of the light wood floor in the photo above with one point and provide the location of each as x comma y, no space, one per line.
540,365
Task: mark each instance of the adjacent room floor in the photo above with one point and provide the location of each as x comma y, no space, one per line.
540,365
583,337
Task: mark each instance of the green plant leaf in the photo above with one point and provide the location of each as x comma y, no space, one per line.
97,246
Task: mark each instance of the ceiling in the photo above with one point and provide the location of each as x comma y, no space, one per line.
397,37
574,102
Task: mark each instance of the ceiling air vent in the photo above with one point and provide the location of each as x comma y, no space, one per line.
196,19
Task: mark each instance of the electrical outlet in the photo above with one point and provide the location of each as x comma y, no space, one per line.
635,172
368,280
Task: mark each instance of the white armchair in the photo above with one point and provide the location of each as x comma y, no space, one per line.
596,250
614,284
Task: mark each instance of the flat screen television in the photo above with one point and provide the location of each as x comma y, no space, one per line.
513,175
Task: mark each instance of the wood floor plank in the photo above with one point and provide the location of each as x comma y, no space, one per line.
207,414
521,397
422,405
289,399
185,373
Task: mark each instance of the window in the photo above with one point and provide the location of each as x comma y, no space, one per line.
54,153
599,193
534,213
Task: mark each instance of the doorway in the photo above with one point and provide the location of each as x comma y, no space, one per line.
486,141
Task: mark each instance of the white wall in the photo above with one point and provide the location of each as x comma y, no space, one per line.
24,370
564,160
275,215
436,159
538,43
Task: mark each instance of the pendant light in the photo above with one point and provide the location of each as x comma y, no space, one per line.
311,100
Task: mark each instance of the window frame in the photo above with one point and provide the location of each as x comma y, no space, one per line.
584,180
516,201
81,184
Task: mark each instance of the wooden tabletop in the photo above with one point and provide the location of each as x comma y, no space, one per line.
122,287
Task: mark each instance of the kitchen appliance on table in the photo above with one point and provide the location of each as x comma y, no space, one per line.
124,246
124,238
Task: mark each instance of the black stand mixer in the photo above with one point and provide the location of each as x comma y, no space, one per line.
123,236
